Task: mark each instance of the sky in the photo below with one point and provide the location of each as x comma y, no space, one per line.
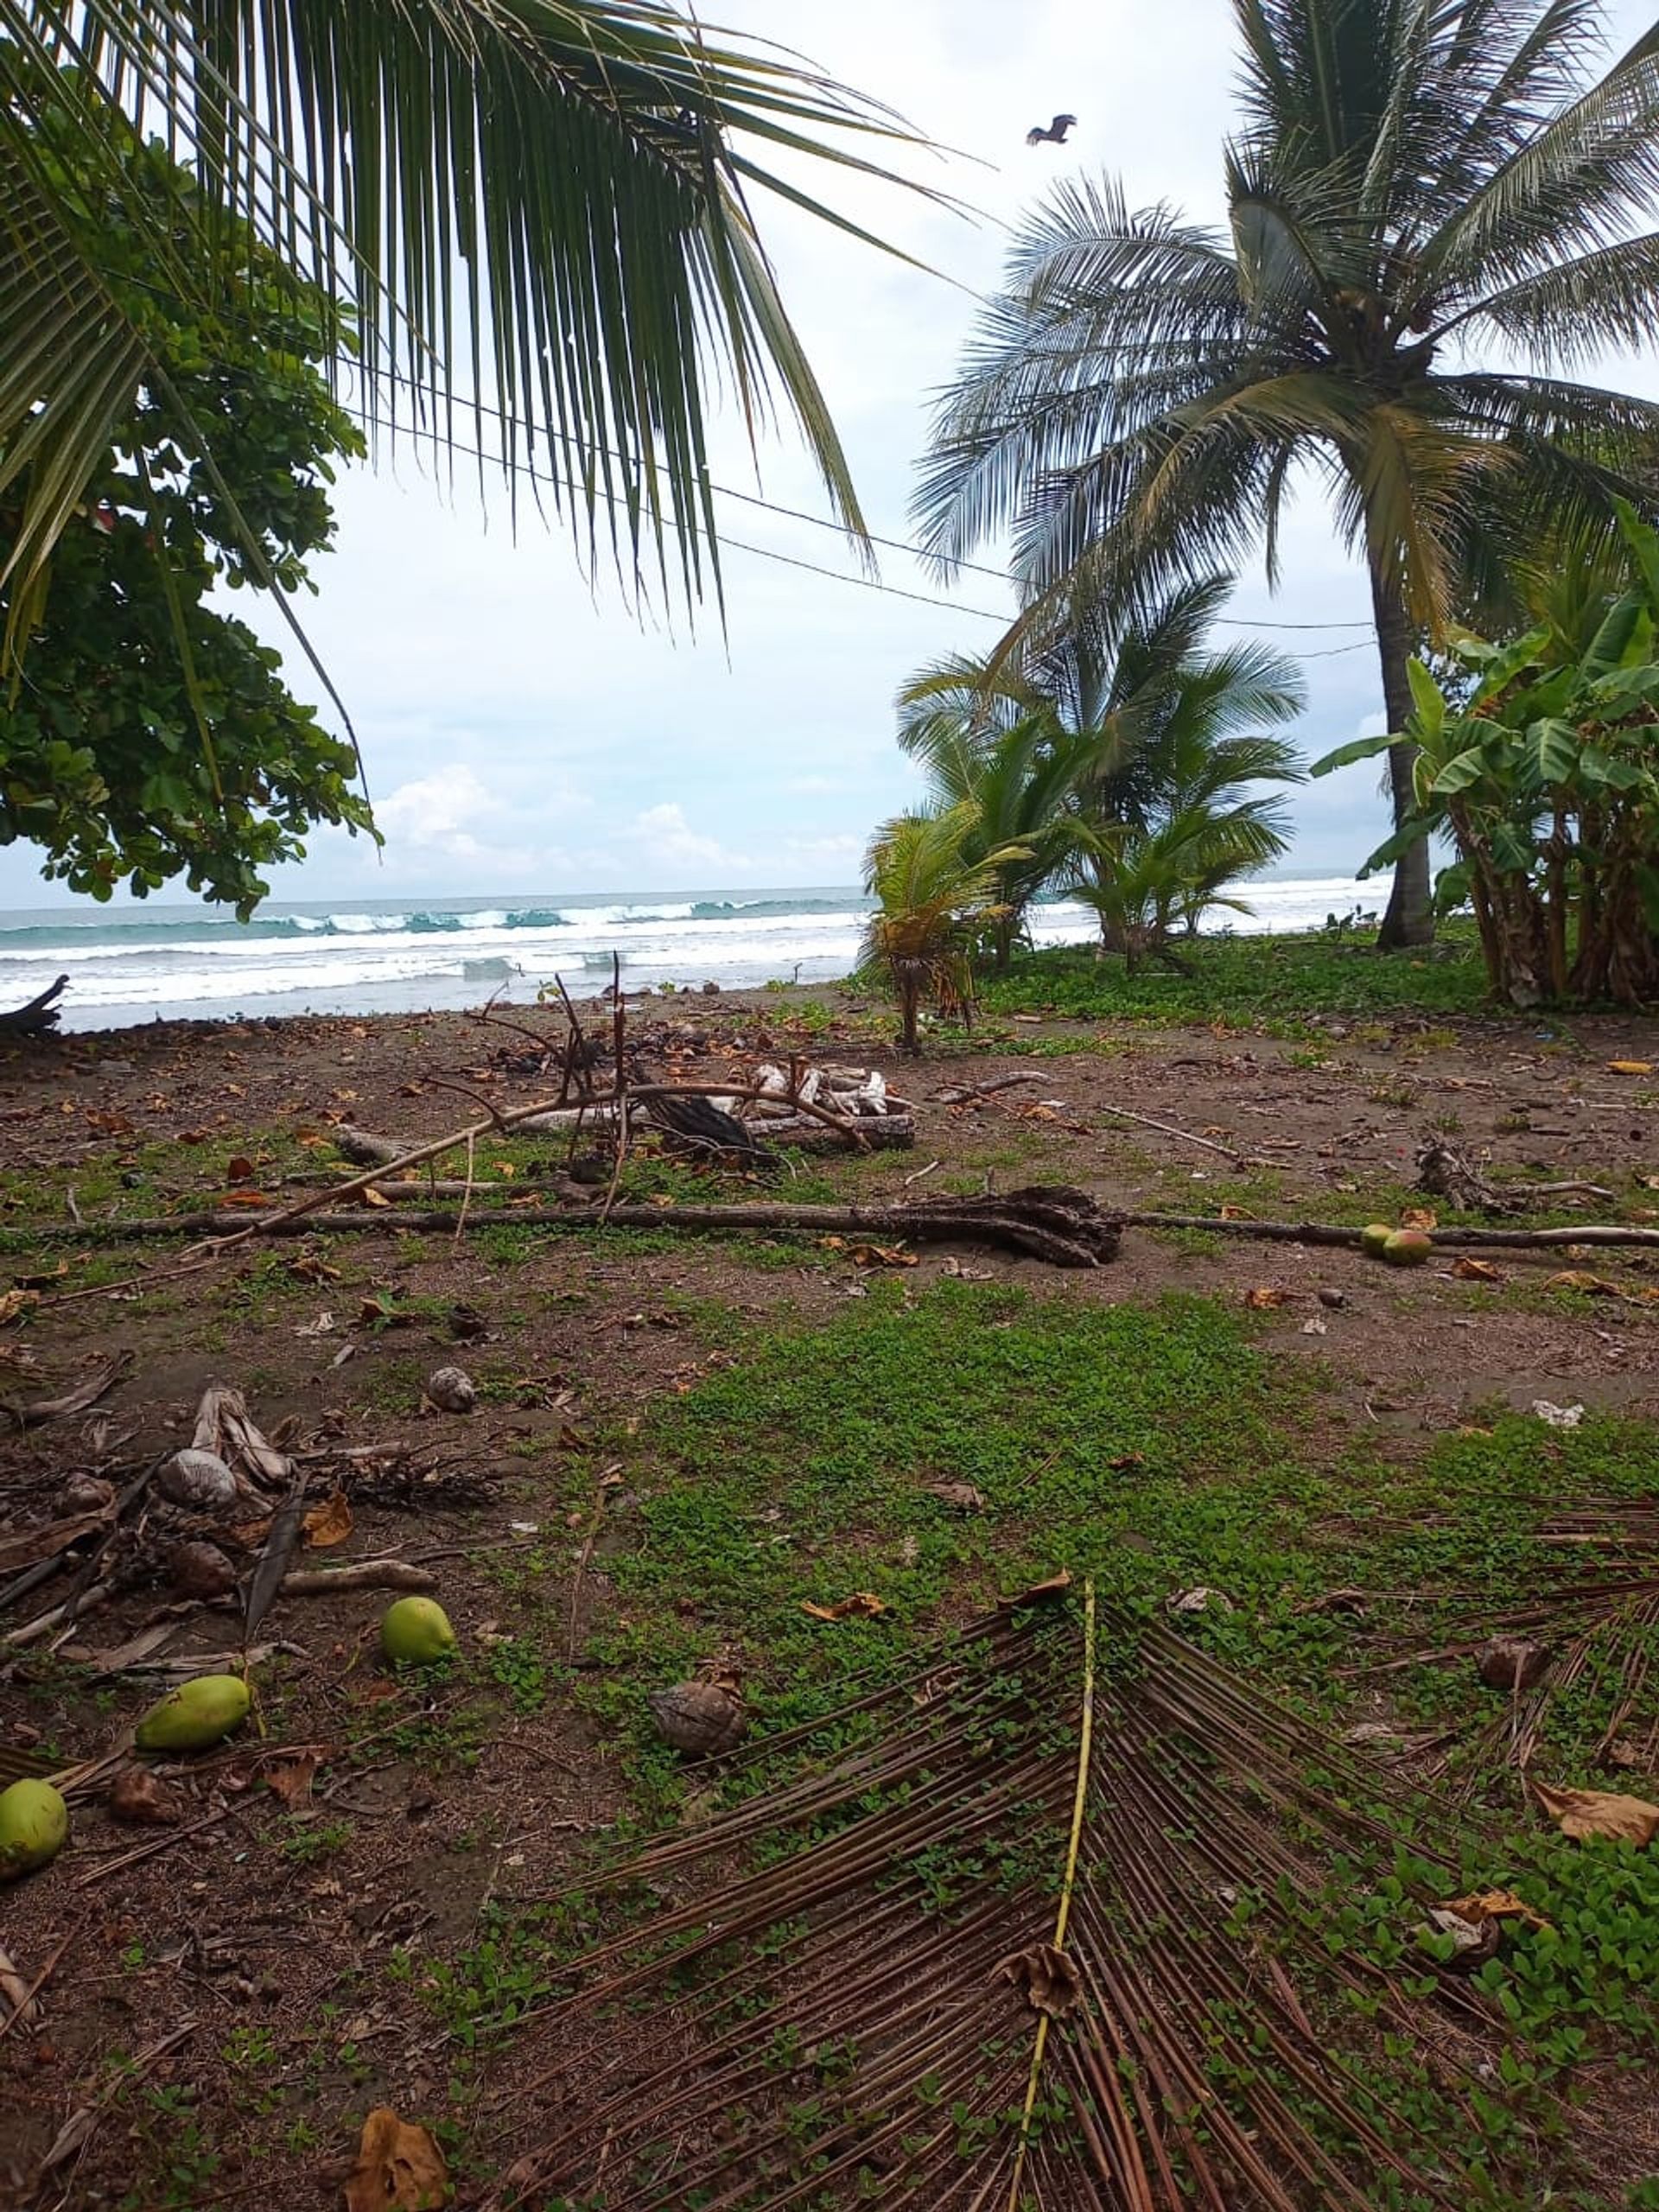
524,732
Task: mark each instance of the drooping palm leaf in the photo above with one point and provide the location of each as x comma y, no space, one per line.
1037,1927
534,206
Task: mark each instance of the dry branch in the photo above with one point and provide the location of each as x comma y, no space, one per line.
361,1575
39,1016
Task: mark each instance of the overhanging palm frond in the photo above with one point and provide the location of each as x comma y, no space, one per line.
1042,1926
537,211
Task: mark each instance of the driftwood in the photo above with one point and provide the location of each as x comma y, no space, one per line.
1613,1235
364,1574
39,1016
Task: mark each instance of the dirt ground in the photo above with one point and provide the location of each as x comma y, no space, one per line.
246,1958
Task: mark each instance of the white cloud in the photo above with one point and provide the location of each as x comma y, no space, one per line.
435,812
668,837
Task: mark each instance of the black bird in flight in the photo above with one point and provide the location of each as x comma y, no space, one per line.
1055,133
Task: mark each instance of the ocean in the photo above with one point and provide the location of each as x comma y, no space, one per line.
143,962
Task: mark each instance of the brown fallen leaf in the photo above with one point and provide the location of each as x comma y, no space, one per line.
1580,1812
962,1496
239,1169
1048,1977
1631,1067
1040,1593
1470,1270
328,1524
291,1779
863,1605
242,1195
1493,1905
14,1302
1263,1295
399,2168
1230,1212
137,1796
370,1196
883,1255
310,1267
1418,1218
1584,1282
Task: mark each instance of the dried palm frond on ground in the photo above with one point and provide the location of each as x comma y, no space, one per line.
1594,1636
1045,1927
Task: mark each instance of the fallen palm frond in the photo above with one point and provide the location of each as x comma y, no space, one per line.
1046,1928
1598,1636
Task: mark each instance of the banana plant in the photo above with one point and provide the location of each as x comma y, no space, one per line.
1547,783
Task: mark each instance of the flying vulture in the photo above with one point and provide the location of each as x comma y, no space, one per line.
1055,133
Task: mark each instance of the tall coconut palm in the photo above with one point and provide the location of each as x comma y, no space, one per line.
536,211
1104,726
1436,214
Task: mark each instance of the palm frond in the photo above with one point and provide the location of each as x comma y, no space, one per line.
1038,1926
534,206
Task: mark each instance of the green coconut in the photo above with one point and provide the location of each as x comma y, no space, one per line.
1374,1238
195,1716
1408,1247
33,1827
416,1631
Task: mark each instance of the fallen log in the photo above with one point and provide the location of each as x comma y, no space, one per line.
1606,1234
39,1017
1065,1227
362,1574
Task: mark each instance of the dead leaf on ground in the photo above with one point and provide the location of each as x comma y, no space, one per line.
862,1605
1468,1270
883,1255
1040,1593
1263,1295
1230,1212
1580,1812
1050,1979
399,2168
1584,1282
243,1197
310,1267
1493,1905
290,1779
370,1196
962,1496
1418,1218
1631,1067
239,1169
14,1302
328,1524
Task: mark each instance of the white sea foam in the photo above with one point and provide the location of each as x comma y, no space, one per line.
139,961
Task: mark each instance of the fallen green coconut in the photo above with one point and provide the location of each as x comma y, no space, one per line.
33,1827
1373,1238
195,1716
1408,1247
416,1631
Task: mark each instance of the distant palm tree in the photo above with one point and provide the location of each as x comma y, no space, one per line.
1109,727
1159,873
1412,184
934,899
536,211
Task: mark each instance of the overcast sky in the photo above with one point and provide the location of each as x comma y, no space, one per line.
524,734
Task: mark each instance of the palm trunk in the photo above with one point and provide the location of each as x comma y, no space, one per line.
1410,916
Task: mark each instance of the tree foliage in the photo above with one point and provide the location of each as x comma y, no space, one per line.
937,888
1543,766
1412,194
538,212
149,734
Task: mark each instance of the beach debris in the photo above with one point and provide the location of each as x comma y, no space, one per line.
1050,1979
1511,1662
141,1799
699,1719
225,1427
76,1401
199,1481
1557,1416
201,1570
1468,1270
451,1390
84,1494
195,1716
328,1524
416,1632
1473,1940
357,1574
33,1827
40,1016
399,2167
1581,1813
1334,1299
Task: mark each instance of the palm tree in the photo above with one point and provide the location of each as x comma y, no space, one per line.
934,899
1107,727
536,213
1411,185
1162,869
